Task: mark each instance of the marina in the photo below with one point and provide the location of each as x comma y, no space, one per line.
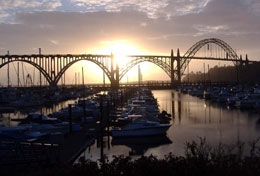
193,118
37,128
182,115
102,88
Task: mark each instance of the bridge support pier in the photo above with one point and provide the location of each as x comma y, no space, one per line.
115,85
239,68
175,74
172,69
242,70
178,66
114,75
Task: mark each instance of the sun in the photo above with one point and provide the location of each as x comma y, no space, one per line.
120,49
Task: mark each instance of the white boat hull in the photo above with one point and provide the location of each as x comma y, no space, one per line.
158,130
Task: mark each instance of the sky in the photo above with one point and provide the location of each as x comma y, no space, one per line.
134,26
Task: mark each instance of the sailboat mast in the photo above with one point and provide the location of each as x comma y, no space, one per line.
83,76
139,75
23,75
18,79
75,78
64,76
83,90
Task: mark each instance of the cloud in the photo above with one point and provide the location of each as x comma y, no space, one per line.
11,7
150,7
202,30
183,7
154,26
253,5
55,42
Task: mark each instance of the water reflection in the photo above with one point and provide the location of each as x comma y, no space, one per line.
21,113
192,118
195,117
139,145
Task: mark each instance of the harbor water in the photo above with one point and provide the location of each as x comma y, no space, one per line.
193,119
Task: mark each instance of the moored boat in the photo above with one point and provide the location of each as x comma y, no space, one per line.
38,118
140,127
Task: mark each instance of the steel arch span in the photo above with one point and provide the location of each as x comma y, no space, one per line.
164,62
230,53
99,60
52,67
27,59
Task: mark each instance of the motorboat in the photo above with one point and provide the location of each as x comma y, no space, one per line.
19,129
38,124
64,113
77,112
38,118
140,127
20,133
14,135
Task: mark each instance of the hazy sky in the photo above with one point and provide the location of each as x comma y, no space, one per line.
148,26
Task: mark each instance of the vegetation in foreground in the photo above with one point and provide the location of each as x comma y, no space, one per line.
200,159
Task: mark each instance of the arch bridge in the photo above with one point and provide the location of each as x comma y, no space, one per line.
52,67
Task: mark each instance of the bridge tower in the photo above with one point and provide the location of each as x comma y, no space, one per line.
172,69
178,67
239,69
246,60
53,71
114,74
116,86
242,69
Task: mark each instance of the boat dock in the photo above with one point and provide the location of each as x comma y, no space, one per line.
73,145
59,149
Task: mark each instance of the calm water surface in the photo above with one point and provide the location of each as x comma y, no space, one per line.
23,112
193,118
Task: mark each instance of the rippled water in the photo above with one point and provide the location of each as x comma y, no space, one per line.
193,118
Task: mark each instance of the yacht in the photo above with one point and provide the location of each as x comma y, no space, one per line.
141,127
38,118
